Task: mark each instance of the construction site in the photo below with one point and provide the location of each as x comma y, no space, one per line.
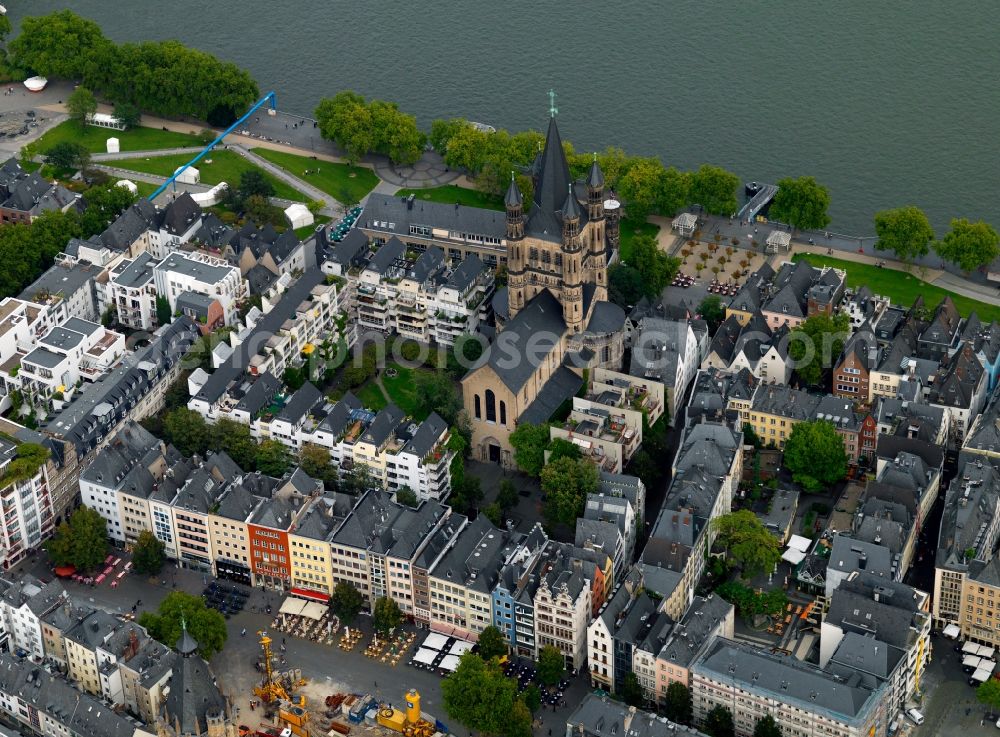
284,703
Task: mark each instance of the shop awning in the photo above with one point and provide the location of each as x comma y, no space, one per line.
319,596
460,647
313,610
952,631
292,605
797,542
449,663
425,656
793,556
435,641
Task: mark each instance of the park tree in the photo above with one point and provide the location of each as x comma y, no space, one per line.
493,513
5,28
207,626
969,245
988,693
442,132
566,483
642,188
346,120
802,203
80,542
315,461
625,285
712,311
714,188
273,458
396,133
67,156
656,266
750,436
529,443
436,392
675,192
766,727
631,690
719,723
492,643
905,231
253,183
405,495
532,698
479,696
386,615
814,453
105,202
148,555
346,602
187,431
816,343
127,114
551,665
81,104
678,705
562,448
57,45
747,541
507,496
234,439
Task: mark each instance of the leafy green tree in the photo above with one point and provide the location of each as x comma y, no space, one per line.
187,431
905,231
494,514
656,266
766,727
631,690
750,436
5,28
714,188
467,149
163,314
712,311
642,188
234,439
566,483
396,133
81,104
315,461
128,114
405,495
273,458
149,554
492,643
386,615
254,183
988,693
563,448
719,723
969,245
68,155
529,443
551,665
436,392
817,343
533,698
678,705
346,602
207,626
626,285
57,45
361,127
81,542
747,541
814,453
105,202
507,496
480,697
293,378
443,130
802,202
675,192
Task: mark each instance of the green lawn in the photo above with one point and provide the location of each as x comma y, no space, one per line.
901,288
95,139
371,397
334,179
226,166
307,230
449,194
400,388
145,188
629,231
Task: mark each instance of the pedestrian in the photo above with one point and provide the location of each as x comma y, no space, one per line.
244,632
376,683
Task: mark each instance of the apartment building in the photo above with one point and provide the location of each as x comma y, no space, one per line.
309,543
670,352
959,387
775,410
852,371
706,619
182,274
513,602
23,604
25,496
68,288
605,427
131,289
907,419
563,608
27,196
597,716
86,658
751,344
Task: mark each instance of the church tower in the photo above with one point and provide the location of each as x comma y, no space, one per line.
596,258
516,258
572,263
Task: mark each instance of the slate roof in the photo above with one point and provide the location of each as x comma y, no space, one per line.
857,611
867,654
691,635
299,404
193,693
391,209
180,215
601,716
426,436
541,318
784,401
552,183
849,554
957,379
970,504
62,279
562,385
427,265
383,426
131,224
466,273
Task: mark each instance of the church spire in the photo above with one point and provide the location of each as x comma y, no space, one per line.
513,197
595,179
186,645
570,208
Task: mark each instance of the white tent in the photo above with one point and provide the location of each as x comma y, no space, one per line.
435,641
114,145
985,651
952,631
189,176
460,647
313,610
449,663
982,675
971,661
970,648
298,215
778,240
793,556
797,542
292,605
129,185
425,656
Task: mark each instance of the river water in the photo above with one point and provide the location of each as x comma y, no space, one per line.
885,103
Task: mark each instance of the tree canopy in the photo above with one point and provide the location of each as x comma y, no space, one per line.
678,705
988,693
566,483
346,602
60,44
719,723
148,555
814,453
479,696
551,665
207,626
817,343
905,231
802,203
529,443
69,155
630,690
655,265
749,603
105,202
492,643
969,245
361,127
747,541
80,542
81,104
714,188
712,311
766,727
386,615
625,285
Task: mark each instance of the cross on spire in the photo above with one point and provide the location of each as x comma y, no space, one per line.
552,104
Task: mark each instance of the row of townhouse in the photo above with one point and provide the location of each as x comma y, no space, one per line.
413,293
25,196
108,661
787,297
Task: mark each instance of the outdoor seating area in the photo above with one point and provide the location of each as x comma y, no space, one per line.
682,280
440,654
390,650
526,675
727,289
308,620
349,639
228,600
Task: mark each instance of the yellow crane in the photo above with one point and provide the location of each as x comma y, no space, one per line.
270,688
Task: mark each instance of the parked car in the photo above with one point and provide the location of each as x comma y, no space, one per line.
915,716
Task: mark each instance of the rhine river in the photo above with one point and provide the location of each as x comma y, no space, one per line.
885,103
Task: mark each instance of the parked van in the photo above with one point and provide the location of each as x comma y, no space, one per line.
915,716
